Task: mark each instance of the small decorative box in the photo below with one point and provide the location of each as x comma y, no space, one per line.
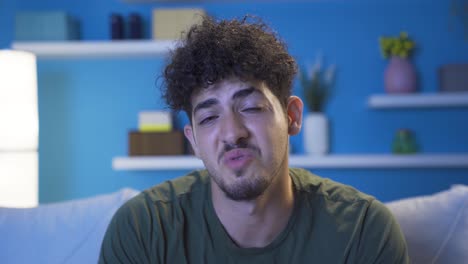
45,26
170,23
453,77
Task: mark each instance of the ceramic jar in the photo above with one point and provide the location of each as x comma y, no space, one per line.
400,76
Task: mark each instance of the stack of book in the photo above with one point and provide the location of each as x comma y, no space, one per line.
155,135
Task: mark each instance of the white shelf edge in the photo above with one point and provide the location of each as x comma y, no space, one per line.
80,49
382,161
157,163
446,99
329,161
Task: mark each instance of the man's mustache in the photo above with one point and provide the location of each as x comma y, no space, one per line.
231,146
240,144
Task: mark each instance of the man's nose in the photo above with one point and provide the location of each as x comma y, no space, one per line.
233,129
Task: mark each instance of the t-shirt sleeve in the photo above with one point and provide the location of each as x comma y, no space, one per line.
127,236
381,239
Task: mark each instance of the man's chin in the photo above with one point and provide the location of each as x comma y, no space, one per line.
243,189
242,196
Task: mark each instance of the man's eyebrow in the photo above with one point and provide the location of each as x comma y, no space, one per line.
213,101
244,93
205,104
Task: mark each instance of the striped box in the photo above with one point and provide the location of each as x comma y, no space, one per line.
155,121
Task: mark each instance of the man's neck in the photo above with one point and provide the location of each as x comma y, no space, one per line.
258,222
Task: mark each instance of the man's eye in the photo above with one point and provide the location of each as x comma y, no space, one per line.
207,120
252,109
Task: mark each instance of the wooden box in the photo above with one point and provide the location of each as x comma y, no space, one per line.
156,143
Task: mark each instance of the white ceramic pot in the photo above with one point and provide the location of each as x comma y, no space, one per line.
316,134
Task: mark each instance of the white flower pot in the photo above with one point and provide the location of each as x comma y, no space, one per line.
316,134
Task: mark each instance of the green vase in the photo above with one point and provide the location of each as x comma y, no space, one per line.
404,142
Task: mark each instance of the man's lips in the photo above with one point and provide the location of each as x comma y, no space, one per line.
238,158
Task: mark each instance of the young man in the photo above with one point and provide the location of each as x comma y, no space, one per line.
234,78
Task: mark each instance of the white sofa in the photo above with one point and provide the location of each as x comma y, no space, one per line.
435,227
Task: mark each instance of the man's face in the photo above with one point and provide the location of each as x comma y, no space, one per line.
240,131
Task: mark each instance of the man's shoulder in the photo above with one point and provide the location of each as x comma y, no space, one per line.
193,183
138,222
327,189
367,227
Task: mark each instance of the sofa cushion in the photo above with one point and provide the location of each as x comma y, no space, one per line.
435,226
65,232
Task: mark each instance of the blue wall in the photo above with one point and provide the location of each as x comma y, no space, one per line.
87,106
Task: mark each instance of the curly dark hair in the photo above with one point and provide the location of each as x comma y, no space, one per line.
215,50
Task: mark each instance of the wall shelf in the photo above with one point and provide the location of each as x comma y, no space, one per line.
452,99
330,161
87,49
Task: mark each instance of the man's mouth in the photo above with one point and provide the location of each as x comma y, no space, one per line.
238,158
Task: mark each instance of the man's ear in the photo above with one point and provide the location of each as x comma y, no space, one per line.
294,110
188,132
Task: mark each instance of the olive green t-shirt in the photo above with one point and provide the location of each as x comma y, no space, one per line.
175,222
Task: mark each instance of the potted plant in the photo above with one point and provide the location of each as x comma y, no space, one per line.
400,75
317,87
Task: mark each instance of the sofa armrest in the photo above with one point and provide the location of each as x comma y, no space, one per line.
435,226
65,232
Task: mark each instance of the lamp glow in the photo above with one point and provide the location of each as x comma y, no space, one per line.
19,129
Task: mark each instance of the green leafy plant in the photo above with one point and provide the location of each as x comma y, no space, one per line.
317,86
401,46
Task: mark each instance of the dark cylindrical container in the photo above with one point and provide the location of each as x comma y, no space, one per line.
116,26
135,25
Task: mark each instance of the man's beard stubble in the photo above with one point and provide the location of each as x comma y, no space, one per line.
246,190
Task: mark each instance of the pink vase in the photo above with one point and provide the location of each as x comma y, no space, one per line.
400,76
